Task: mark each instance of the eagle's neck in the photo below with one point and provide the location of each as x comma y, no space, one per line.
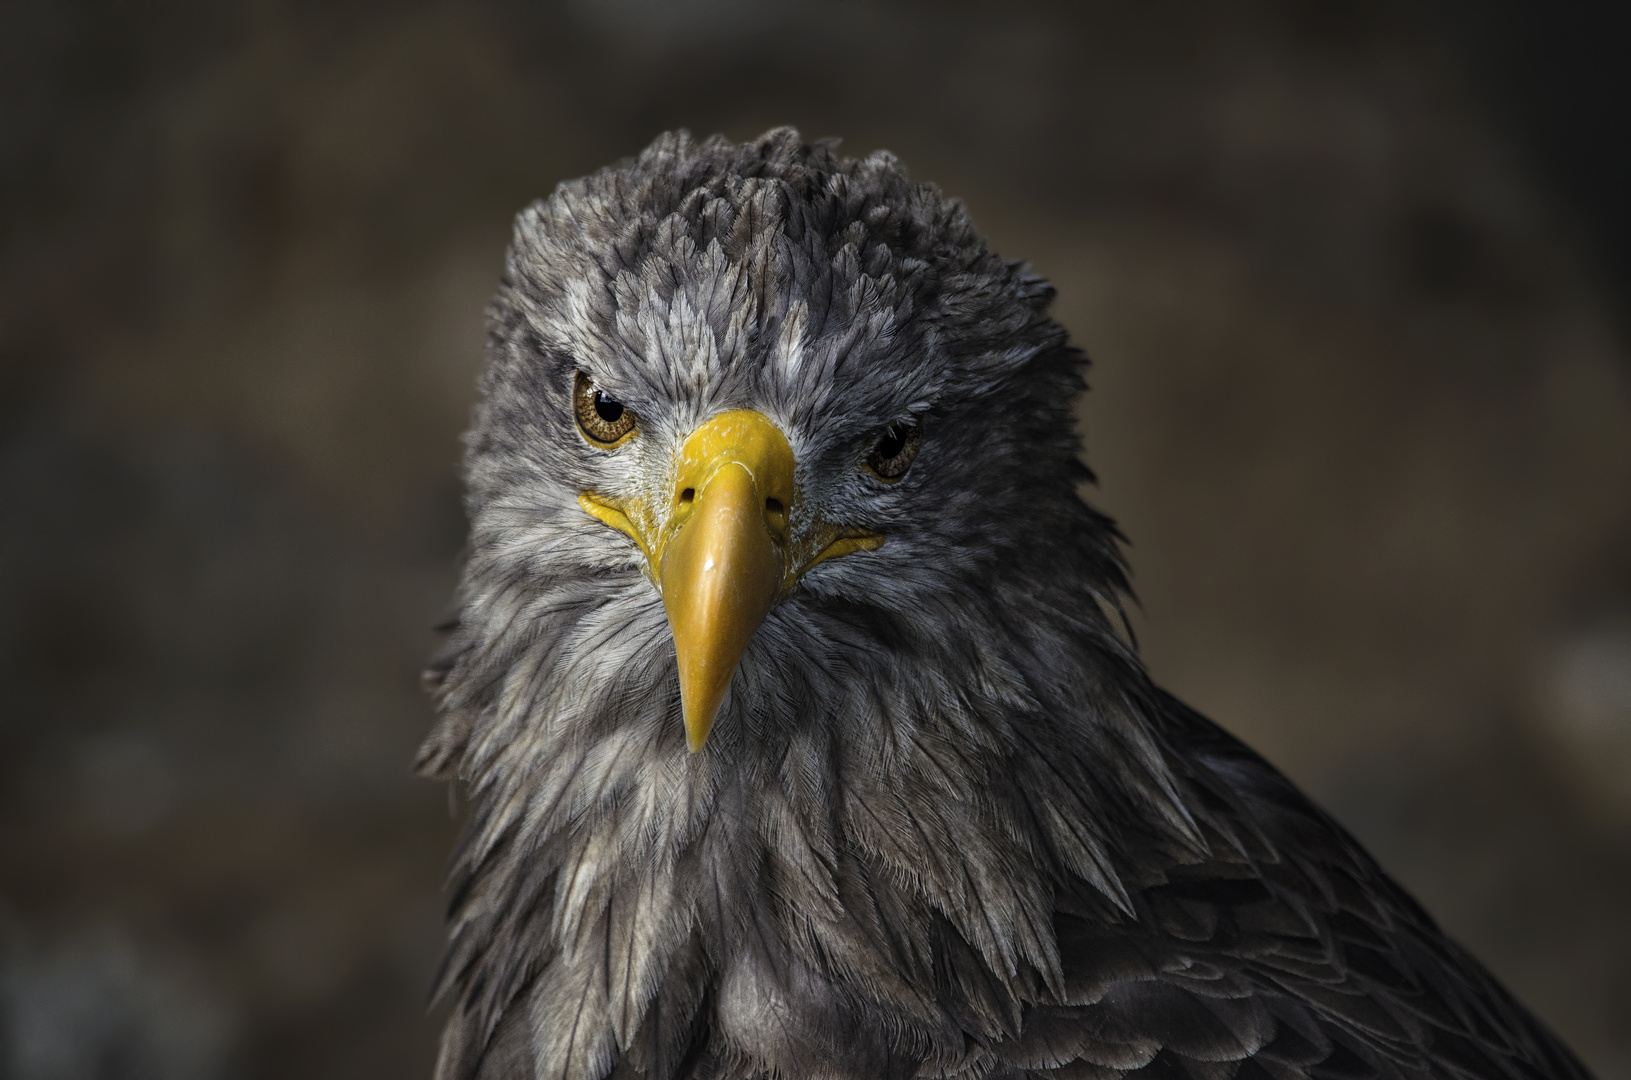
886,832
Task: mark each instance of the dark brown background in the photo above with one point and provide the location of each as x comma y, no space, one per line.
1354,284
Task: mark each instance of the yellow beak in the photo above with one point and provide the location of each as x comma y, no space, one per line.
721,551
723,563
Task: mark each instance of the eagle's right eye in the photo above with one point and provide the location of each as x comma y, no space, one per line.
604,421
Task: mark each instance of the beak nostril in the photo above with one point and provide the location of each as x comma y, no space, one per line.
773,506
688,494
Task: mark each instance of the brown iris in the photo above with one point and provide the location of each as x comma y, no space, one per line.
895,450
603,420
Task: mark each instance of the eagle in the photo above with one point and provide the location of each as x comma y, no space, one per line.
788,693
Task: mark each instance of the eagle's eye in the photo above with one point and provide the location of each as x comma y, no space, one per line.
603,421
894,453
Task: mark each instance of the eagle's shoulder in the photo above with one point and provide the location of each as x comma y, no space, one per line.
1284,952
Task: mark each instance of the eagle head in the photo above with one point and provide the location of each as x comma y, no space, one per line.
782,652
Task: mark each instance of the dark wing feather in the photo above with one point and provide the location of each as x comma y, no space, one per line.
507,1054
1285,954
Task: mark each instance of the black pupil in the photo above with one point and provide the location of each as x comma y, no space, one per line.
607,409
892,443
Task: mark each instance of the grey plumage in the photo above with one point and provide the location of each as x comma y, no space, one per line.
945,825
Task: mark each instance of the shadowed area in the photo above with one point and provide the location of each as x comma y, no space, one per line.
1362,402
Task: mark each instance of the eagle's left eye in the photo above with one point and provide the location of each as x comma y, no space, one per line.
895,450
604,421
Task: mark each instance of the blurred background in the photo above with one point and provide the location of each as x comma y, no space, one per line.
1356,279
